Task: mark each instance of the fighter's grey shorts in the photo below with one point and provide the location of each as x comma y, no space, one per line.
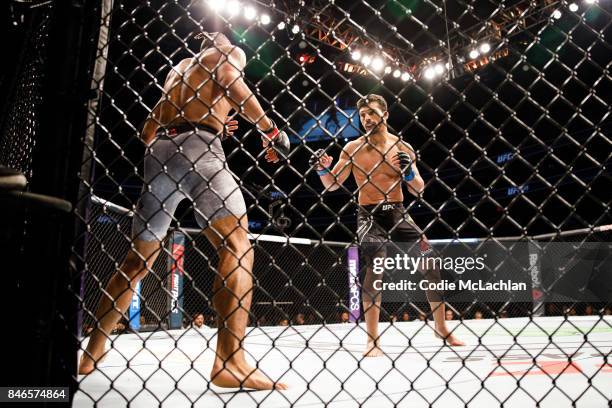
188,165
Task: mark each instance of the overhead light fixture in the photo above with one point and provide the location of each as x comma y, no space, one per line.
249,13
388,70
295,29
557,14
474,54
377,64
573,7
306,58
265,19
356,55
366,60
485,48
430,73
216,5
439,68
281,25
590,1
397,73
233,7
405,76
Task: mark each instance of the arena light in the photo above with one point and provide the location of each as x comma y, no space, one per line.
439,68
281,25
265,19
397,73
405,76
216,5
378,64
590,1
356,55
557,14
474,54
295,29
366,60
249,13
485,48
573,7
232,7
306,58
430,73
388,70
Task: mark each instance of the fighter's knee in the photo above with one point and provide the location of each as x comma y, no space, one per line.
239,246
370,294
134,267
245,256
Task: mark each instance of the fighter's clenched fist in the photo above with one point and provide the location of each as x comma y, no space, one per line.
321,161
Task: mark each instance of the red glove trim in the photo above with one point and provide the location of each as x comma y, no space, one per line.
272,134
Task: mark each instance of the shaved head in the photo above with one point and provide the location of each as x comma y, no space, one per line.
214,39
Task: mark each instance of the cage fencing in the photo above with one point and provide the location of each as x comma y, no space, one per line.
503,104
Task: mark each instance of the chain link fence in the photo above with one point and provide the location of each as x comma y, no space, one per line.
504,105
20,126
293,276
109,241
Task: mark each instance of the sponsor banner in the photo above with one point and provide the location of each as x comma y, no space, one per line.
134,310
354,287
176,265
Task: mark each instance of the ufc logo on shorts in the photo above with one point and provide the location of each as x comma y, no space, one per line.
387,207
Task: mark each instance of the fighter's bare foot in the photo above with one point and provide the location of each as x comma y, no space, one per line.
449,338
242,375
89,361
373,350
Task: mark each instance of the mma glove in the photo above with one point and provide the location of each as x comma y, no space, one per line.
315,161
277,140
405,163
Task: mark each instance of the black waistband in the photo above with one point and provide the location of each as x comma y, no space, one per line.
381,207
175,130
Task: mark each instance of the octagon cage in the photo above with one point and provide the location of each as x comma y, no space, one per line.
333,136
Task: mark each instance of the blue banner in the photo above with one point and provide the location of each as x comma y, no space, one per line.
134,310
335,123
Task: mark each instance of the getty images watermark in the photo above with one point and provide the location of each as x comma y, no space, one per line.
425,265
494,271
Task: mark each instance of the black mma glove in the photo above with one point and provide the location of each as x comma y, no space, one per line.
405,165
278,140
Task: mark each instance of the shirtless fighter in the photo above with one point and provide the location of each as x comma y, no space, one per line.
380,161
185,160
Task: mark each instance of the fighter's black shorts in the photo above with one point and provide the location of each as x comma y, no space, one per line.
385,228
381,224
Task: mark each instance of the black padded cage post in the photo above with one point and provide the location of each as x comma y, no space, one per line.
42,127
504,104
